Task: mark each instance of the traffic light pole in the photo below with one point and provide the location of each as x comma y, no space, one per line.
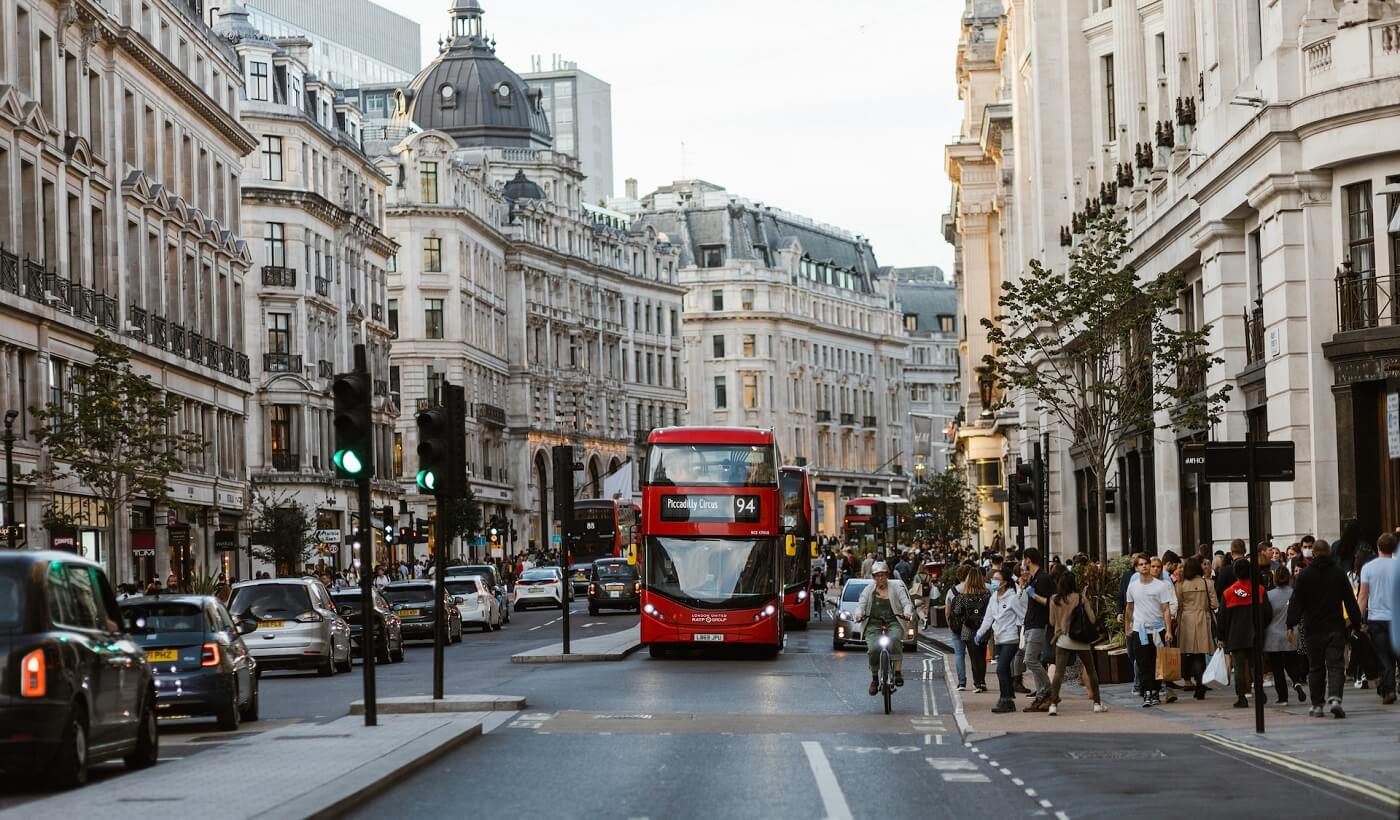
365,535
563,455
1042,507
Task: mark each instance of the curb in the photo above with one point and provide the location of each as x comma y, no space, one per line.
419,705
1387,797
577,657
335,798
950,680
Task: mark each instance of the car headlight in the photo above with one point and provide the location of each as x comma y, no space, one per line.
845,614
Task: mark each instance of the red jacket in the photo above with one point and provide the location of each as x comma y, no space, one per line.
1236,620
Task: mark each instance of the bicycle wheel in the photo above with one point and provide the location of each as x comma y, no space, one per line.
886,685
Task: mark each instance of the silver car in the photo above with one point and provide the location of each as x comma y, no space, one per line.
298,627
846,630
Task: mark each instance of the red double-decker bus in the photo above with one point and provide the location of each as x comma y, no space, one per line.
712,552
602,528
795,490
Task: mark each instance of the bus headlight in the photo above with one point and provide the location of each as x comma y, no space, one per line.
653,612
802,595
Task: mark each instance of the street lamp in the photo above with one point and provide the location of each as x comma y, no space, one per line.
9,440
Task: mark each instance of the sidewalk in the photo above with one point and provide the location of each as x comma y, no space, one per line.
1361,747
611,647
297,771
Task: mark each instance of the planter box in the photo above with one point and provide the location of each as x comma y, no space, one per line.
1113,666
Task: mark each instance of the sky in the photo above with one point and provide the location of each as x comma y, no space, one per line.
834,109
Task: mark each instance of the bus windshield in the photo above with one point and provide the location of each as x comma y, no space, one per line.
710,571
711,465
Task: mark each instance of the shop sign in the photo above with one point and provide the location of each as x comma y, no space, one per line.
226,540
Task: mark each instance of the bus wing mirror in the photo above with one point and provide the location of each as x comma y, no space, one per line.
815,553
632,555
792,546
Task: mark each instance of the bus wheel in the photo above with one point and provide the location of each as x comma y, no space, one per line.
656,650
768,653
799,625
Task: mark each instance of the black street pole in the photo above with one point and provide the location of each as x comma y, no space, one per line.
10,477
1256,613
1042,491
365,534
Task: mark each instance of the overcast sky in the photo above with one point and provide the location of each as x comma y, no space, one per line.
834,109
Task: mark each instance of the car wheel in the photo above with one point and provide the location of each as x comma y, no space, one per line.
229,716
250,712
519,606
396,655
381,653
592,609
326,668
349,661
460,630
70,765
147,750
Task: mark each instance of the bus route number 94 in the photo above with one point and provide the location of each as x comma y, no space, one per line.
745,508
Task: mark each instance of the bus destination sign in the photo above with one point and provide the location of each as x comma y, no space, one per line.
719,509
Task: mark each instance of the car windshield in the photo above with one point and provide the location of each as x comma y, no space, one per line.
162,616
715,465
618,570
270,600
461,586
580,569
852,591
470,569
12,584
409,595
711,570
346,600
538,575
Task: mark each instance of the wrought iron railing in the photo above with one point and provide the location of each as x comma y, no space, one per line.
159,334
491,414
823,416
376,312
325,369
323,286
1254,335
1366,301
136,317
9,272
381,387
285,462
57,291
226,360
279,277
241,366
211,353
34,280
177,339
107,311
282,362
868,421
196,350
848,418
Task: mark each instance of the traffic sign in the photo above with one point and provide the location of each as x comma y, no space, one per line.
556,538
328,536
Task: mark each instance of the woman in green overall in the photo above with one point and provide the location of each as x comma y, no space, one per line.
886,608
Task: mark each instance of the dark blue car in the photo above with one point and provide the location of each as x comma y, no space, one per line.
196,651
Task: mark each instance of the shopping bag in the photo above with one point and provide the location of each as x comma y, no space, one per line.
1217,674
1168,663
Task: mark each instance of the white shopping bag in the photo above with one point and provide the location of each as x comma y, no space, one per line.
1217,674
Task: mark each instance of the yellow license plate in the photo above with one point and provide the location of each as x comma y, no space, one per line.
408,613
614,587
162,655
271,624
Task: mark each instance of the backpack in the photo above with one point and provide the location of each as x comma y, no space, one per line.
1081,627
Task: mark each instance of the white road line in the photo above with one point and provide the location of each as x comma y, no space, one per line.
1006,772
1018,781
965,777
1059,815
832,798
1046,804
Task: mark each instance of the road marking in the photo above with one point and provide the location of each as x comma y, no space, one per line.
1371,790
965,777
832,798
1006,772
1018,781
951,764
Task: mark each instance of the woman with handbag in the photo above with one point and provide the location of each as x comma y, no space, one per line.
1074,628
969,607
1195,616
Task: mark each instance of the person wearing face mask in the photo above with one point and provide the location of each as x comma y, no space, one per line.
1005,613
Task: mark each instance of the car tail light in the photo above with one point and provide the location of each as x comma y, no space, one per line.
309,617
210,656
34,675
637,586
592,589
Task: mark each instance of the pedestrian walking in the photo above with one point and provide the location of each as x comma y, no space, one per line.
923,591
1038,588
968,609
1127,579
1064,604
1196,606
1006,611
1236,629
1378,611
1280,650
1321,597
1148,621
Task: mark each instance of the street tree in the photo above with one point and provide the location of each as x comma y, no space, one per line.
284,531
111,431
945,505
1098,349
463,515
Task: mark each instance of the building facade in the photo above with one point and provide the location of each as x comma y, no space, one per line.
561,319
354,42
933,372
314,203
1246,146
790,324
579,107
120,149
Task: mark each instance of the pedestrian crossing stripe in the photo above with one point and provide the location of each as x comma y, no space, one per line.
965,777
951,764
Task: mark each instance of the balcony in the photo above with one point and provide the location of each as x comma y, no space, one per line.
376,312
196,342
241,366
381,387
1254,336
869,421
277,277
34,280
1365,302
325,369
281,363
136,317
160,335
177,339
226,360
285,462
211,353
323,286
823,417
9,272
490,414
848,418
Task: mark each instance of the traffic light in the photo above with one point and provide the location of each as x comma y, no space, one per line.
434,449
389,529
495,536
1025,492
566,461
354,432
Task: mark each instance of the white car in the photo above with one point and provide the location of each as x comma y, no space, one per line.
474,601
298,627
539,586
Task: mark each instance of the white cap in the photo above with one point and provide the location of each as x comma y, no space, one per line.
879,567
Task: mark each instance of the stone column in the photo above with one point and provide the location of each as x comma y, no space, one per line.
1132,77
1319,289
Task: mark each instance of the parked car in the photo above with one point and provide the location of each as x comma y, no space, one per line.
541,585
475,601
578,578
412,601
845,628
388,631
493,576
298,627
76,689
202,665
613,584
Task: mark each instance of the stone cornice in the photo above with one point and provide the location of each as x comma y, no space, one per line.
325,209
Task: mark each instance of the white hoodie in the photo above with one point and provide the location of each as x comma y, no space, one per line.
1005,614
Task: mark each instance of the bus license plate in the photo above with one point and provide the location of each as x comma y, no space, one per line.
710,636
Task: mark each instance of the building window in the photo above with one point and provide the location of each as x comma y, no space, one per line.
751,391
746,298
428,181
1110,105
911,322
432,318
675,325
1361,249
749,345
279,335
398,454
394,318
272,158
257,89
711,256
718,342
280,427
721,393
275,244
945,324
432,255
717,300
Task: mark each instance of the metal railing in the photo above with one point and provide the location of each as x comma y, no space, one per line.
376,312
196,341
1366,301
9,271
381,387
823,416
1191,376
848,418
323,286
241,366
136,317
869,421
177,339
1254,335
34,280
325,369
159,332
286,462
226,360
282,363
491,414
279,277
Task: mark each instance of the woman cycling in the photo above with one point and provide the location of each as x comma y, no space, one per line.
885,607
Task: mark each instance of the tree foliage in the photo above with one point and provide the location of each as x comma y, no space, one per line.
945,505
285,531
1098,350
463,515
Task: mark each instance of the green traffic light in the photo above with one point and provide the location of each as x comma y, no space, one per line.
349,461
427,480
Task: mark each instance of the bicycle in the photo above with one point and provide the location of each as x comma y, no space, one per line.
886,671
819,601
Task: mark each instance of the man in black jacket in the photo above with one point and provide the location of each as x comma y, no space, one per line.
1319,596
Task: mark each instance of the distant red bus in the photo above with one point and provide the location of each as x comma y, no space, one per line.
869,516
602,529
711,558
795,489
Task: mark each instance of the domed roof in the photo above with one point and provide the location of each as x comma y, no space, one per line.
468,93
522,187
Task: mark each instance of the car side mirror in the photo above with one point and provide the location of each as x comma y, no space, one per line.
246,626
458,599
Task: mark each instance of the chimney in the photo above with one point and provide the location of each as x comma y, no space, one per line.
631,185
